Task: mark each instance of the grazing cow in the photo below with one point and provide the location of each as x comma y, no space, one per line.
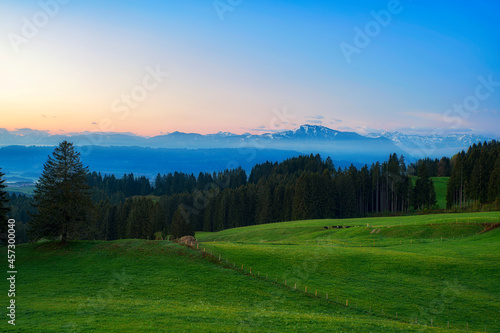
326,228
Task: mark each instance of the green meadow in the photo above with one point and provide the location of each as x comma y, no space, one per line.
162,286
441,186
443,268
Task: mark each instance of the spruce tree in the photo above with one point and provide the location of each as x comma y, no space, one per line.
62,196
422,190
494,185
180,227
432,195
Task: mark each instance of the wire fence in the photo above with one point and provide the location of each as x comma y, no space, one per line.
357,305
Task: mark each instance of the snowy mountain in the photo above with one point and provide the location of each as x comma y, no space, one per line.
434,145
345,146
307,139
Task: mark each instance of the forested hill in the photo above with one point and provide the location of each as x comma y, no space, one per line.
303,187
298,188
475,178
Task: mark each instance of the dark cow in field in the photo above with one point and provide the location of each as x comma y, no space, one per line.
326,228
340,226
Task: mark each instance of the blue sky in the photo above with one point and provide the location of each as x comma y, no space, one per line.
250,66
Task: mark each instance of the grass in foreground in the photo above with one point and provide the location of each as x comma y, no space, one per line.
136,286
409,271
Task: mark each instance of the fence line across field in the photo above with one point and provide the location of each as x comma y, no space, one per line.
317,294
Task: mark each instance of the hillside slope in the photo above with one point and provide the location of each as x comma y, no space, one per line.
394,265
147,286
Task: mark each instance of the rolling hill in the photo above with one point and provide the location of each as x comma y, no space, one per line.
408,274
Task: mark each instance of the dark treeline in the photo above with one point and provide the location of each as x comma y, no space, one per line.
435,167
116,190
475,178
304,187
20,208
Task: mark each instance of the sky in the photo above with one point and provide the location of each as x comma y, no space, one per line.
154,67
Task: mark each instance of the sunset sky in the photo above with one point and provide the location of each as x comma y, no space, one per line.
152,67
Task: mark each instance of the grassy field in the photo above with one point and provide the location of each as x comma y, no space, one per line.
138,285
440,186
397,264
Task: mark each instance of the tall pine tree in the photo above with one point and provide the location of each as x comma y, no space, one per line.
180,227
62,196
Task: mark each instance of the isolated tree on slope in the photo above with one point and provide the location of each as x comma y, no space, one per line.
179,226
62,196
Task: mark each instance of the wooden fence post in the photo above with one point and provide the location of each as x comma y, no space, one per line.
326,295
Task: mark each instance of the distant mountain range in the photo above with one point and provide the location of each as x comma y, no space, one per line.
435,145
341,146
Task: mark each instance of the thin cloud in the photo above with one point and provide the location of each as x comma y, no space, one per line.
317,117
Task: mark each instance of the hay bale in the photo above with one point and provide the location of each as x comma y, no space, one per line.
189,240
